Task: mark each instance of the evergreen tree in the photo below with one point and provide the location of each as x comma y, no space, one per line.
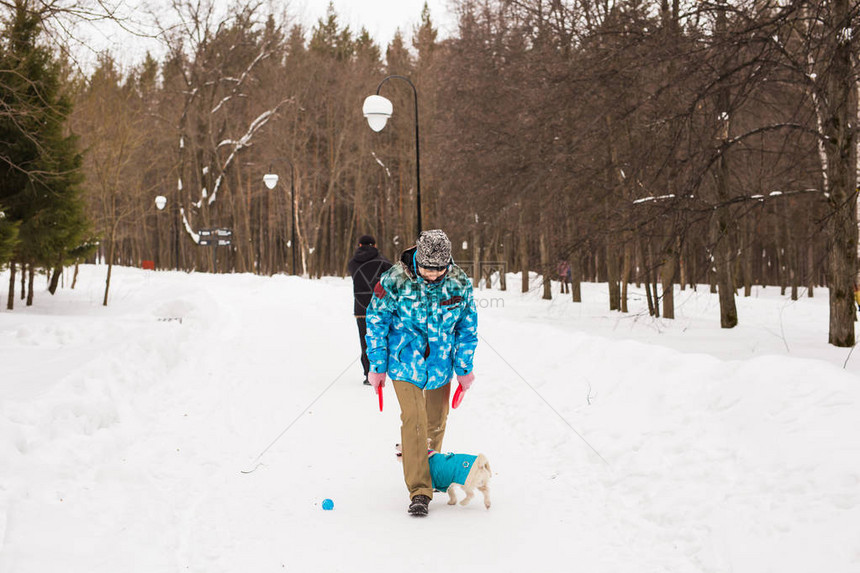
40,176
8,238
397,56
296,42
365,48
328,38
424,36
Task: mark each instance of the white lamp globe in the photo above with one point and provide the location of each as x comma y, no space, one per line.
377,110
270,180
160,202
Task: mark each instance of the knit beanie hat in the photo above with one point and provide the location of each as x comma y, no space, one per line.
434,249
366,240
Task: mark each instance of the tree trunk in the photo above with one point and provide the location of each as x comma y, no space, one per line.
503,259
545,262
55,277
333,243
110,269
524,253
747,254
782,248
667,276
612,276
652,278
492,250
615,294
682,266
842,224
626,269
723,277
723,248
476,259
646,272
10,298
31,276
794,282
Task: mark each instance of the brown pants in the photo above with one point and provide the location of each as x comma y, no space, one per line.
423,415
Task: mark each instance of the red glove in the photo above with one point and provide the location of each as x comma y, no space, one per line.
376,379
465,380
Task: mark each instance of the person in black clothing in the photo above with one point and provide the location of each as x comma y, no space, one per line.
365,266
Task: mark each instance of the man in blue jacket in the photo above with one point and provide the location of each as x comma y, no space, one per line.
422,329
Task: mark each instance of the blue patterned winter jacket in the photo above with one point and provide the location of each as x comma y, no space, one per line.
422,332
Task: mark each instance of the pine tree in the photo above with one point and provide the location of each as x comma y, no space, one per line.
8,238
328,38
365,48
397,56
40,176
424,36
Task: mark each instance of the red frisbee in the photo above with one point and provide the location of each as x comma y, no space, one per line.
458,396
379,391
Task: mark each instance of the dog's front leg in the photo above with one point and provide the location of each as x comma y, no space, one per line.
452,497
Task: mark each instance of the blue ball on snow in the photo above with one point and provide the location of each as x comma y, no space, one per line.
327,504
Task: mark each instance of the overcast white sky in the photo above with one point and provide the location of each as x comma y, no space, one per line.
380,17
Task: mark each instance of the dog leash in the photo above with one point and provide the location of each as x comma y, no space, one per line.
545,401
256,463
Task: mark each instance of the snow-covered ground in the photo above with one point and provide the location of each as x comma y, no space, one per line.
123,431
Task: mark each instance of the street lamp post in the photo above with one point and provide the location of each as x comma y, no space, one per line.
160,203
270,179
377,110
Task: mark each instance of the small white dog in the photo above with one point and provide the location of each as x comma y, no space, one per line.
468,471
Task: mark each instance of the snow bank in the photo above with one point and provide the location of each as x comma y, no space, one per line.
123,430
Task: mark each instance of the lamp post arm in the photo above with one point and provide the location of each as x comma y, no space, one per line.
396,77
285,160
417,148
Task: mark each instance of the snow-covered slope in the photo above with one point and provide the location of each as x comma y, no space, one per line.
619,442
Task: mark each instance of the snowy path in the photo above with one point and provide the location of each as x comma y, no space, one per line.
123,432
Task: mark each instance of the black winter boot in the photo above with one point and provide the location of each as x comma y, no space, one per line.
419,504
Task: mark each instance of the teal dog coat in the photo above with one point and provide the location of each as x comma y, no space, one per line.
446,469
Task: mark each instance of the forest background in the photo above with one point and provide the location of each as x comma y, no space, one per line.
656,142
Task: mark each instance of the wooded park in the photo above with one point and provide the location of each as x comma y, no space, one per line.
653,142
